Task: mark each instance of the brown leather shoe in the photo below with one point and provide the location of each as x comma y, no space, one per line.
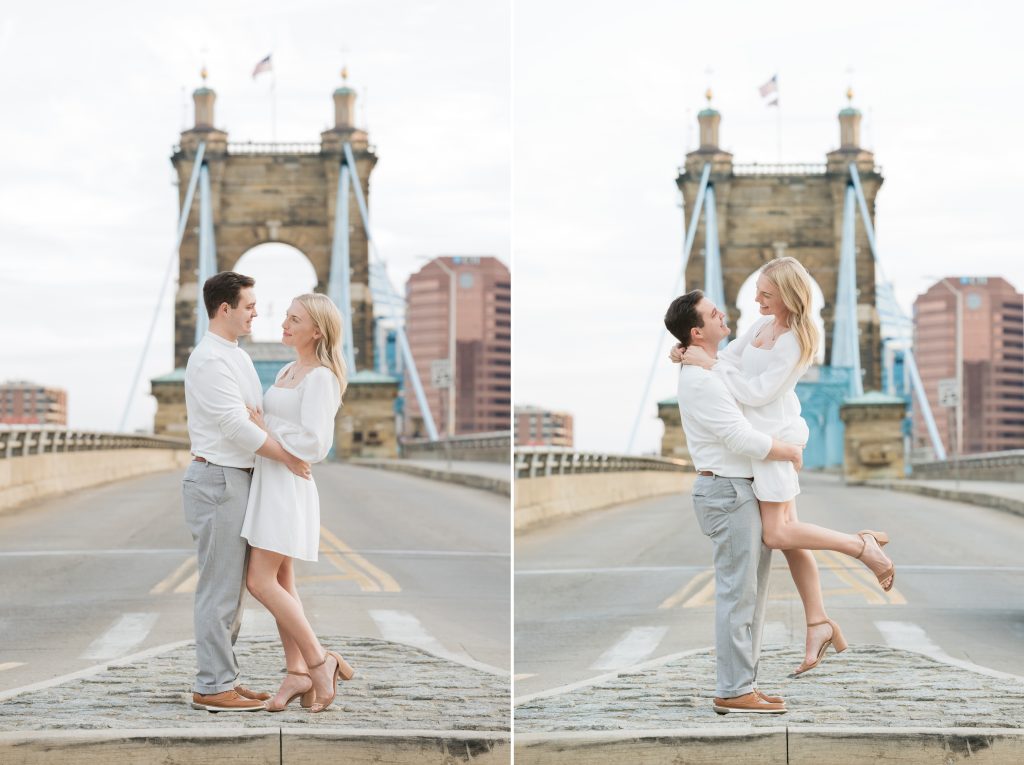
770,699
751,703
226,701
241,690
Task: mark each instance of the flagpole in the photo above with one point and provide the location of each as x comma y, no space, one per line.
273,104
778,116
778,128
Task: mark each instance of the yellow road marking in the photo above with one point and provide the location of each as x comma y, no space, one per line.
794,595
705,596
366,584
525,675
851,570
384,581
700,590
11,665
351,565
189,585
684,592
166,584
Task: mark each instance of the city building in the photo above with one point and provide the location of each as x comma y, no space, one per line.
993,361
26,403
483,335
542,427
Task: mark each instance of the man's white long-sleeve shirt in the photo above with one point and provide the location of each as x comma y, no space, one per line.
719,437
220,381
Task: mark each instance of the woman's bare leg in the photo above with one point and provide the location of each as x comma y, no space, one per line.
294,662
784,531
292,654
804,569
262,581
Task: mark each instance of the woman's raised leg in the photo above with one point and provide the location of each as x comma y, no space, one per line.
784,531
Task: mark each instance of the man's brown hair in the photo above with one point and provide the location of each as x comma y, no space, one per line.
682,316
225,287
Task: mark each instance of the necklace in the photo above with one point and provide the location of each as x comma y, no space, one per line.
296,367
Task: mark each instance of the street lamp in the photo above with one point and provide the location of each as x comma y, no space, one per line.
450,424
959,364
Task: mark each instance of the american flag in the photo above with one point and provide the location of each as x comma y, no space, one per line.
262,66
770,91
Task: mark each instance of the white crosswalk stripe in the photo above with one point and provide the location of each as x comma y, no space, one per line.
912,637
633,647
125,634
403,627
257,622
775,634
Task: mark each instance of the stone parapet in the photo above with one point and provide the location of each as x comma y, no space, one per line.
26,479
544,499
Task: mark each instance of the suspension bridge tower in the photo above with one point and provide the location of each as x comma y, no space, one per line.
765,211
273,192
312,196
740,216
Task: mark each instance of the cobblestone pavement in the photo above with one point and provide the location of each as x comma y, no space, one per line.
395,687
867,686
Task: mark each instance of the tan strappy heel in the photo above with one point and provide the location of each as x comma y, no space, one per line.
341,672
307,697
880,536
836,640
891,571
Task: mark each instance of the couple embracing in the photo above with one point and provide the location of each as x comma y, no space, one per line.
249,496
743,428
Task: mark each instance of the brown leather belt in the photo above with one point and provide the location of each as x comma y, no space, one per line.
197,458
705,473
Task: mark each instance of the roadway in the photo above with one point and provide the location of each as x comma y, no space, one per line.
616,587
110,571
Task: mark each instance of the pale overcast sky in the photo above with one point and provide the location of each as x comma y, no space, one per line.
96,94
605,103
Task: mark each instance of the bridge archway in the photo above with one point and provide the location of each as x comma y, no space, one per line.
749,312
281,272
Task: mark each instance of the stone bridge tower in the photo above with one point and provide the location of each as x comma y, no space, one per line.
273,192
769,210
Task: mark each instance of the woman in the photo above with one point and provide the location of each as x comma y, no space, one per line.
282,519
761,370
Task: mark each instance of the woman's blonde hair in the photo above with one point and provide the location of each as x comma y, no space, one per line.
327,318
794,285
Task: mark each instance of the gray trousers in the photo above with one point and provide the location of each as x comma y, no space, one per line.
214,498
728,513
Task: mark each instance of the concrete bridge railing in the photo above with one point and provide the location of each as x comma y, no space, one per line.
473,447
555,483
36,463
992,466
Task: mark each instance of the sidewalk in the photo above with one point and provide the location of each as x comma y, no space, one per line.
404,705
870,702
490,476
1000,495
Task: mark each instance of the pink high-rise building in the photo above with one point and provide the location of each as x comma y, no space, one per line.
993,360
483,333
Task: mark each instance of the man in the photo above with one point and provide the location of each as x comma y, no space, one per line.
722,443
220,381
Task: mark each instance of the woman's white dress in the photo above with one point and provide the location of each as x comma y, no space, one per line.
283,514
764,383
